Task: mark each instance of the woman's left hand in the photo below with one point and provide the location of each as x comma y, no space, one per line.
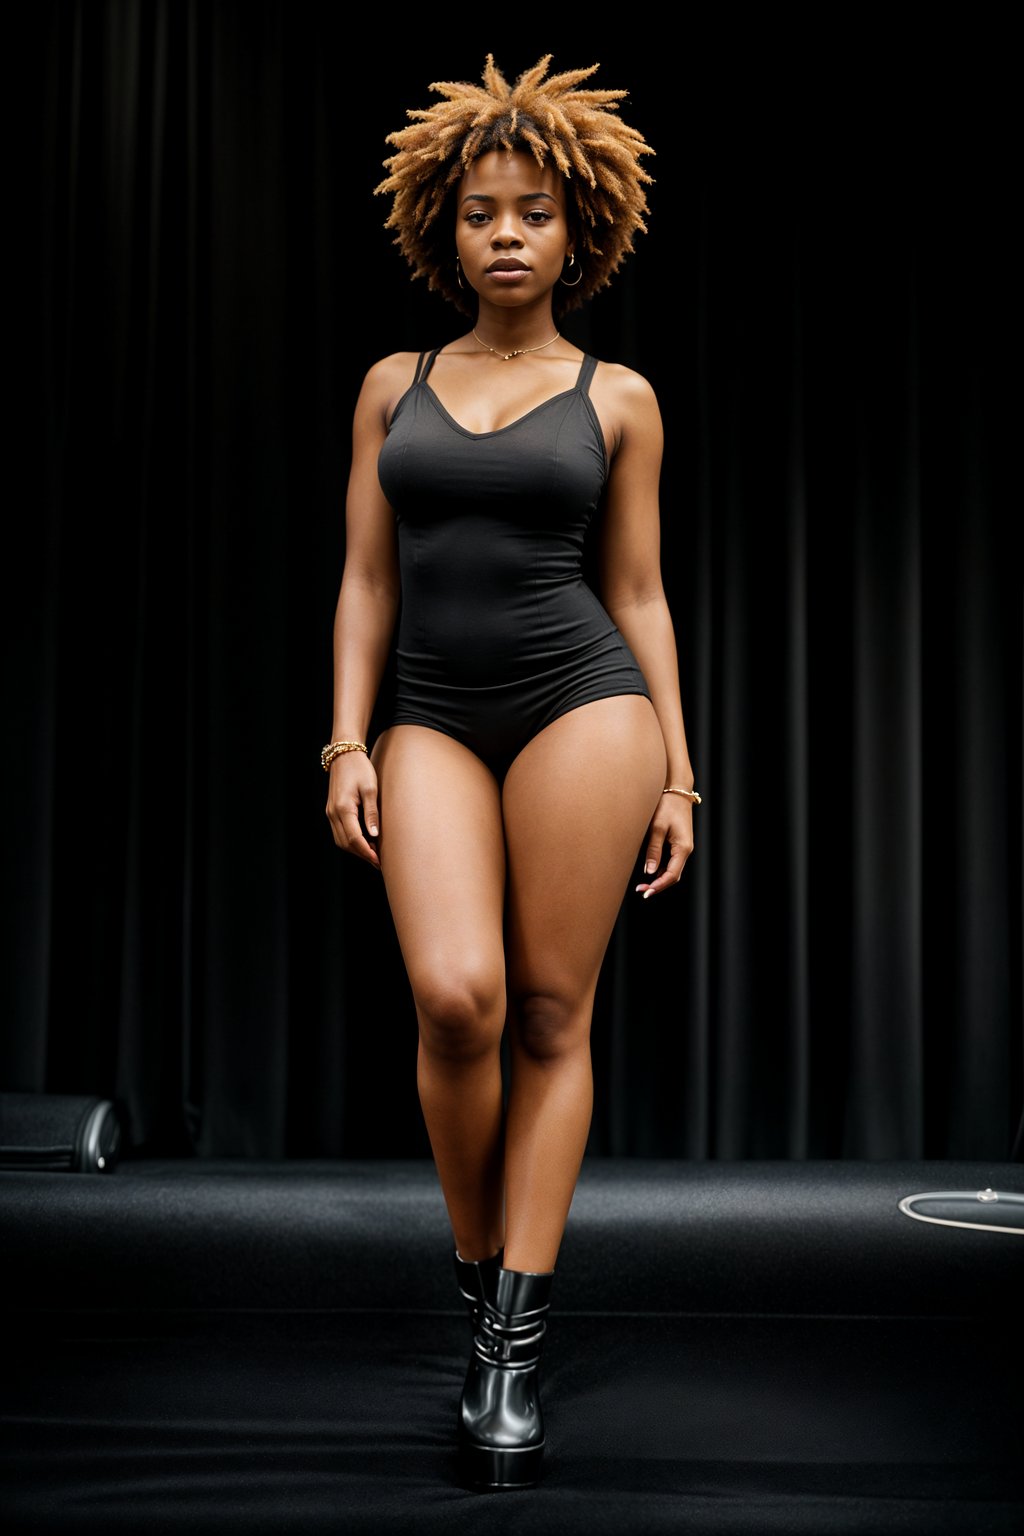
670,836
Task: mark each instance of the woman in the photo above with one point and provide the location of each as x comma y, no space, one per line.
535,742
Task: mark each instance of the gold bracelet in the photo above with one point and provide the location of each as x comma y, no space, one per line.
691,794
334,749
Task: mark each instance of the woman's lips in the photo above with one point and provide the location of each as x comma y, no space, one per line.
508,274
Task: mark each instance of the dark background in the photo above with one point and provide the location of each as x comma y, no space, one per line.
826,303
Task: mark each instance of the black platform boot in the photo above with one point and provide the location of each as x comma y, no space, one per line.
501,1426
476,1280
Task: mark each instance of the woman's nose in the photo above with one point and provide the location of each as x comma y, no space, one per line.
505,232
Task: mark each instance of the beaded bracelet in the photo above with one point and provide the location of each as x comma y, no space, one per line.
334,749
691,794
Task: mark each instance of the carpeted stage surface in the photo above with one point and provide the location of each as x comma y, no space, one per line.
733,1348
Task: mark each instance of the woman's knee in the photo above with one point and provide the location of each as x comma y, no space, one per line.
461,1011
548,1025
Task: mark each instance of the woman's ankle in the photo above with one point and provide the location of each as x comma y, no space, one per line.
477,1253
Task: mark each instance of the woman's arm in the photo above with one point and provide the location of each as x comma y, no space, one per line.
364,618
633,594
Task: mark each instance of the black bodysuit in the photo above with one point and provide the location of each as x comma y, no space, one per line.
498,634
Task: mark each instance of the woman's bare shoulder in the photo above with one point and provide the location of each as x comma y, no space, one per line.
626,402
397,369
624,385
385,382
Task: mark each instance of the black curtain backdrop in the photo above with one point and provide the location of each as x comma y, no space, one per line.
826,303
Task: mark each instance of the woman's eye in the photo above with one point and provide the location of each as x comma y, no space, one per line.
476,217
541,215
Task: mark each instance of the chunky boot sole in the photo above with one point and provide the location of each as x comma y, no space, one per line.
487,1466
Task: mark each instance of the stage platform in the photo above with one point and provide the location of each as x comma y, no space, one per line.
739,1348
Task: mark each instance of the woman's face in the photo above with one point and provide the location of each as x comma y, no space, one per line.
510,228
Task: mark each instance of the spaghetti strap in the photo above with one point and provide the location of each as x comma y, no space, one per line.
420,377
586,373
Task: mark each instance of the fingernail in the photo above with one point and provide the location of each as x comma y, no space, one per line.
649,867
649,892
638,887
373,831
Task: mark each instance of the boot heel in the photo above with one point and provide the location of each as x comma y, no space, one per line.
485,1466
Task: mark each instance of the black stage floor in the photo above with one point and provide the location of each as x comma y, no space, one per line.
761,1347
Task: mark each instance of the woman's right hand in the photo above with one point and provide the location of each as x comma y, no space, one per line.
352,805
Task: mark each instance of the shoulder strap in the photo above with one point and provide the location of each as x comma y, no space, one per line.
586,373
419,375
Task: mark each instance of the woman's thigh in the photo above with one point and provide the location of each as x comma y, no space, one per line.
577,803
442,856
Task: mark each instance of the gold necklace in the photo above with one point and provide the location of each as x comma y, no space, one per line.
520,351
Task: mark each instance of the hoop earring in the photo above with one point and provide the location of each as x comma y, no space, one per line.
458,274
572,263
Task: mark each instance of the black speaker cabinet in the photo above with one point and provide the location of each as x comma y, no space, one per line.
59,1132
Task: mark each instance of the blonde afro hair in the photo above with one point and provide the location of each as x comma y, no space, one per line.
578,131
